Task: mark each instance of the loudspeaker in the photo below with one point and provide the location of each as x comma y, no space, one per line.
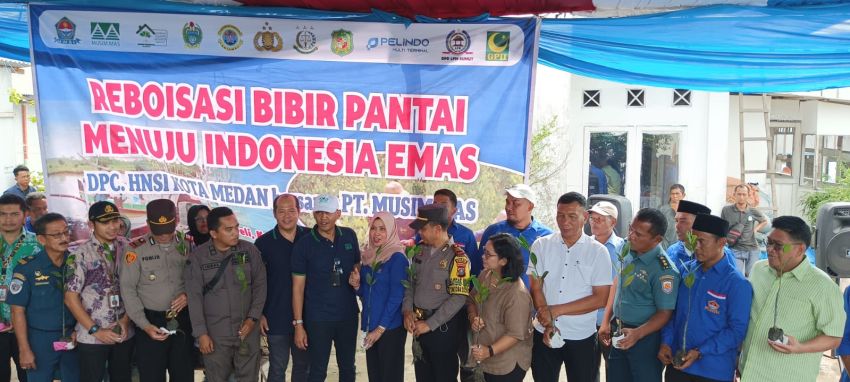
624,210
832,239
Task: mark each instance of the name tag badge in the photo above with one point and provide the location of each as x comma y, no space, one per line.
3,293
114,300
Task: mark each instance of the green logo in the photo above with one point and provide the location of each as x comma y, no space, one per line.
105,32
192,35
342,42
348,246
498,46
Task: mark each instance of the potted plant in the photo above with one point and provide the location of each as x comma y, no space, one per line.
410,284
626,278
691,245
555,340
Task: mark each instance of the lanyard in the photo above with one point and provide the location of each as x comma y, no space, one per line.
7,259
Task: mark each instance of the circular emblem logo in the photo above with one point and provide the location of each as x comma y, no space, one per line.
457,42
163,219
230,37
192,35
305,42
108,209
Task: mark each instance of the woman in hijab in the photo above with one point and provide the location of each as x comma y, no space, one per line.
378,283
197,220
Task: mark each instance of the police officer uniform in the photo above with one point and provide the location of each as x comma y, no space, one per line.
38,286
654,287
438,291
151,278
218,308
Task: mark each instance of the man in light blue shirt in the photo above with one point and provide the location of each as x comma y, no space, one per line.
603,218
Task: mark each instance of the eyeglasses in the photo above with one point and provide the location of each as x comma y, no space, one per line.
199,219
489,255
59,235
780,247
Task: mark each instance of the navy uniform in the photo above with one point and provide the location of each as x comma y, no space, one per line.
151,278
38,286
653,288
440,286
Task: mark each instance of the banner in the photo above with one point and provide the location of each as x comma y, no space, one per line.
232,111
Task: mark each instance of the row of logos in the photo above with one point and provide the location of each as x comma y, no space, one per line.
457,42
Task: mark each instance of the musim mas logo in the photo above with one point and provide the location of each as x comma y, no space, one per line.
268,40
401,45
342,42
66,31
105,34
192,35
457,46
498,46
305,40
230,37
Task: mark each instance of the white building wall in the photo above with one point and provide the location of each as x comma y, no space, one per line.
11,117
703,129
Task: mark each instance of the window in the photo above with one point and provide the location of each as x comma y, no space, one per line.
659,168
835,157
634,98
809,160
681,97
783,149
607,163
591,98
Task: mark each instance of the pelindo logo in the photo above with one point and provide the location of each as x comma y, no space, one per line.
402,44
498,46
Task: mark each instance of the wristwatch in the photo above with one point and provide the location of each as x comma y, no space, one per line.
93,329
297,322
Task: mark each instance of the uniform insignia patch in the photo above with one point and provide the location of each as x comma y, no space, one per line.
713,307
459,276
16,286
438,286
130,258
444,264
19,276
666,284
136,243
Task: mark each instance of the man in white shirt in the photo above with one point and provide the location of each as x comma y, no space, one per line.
566,301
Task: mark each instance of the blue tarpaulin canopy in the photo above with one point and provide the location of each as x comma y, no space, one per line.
716,48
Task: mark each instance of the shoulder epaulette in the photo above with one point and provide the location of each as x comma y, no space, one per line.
665,264
136,243
458,250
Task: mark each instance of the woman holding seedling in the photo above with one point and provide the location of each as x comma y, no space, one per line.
500,313
378,283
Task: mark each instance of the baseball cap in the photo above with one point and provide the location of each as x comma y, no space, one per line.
522,191
606,209
326,203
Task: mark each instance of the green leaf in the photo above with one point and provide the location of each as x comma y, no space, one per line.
506,280
533,257
786,248
691,242
544,275
625,251
369,279
629,280
406,284
690,279
524,243
476,284
629,269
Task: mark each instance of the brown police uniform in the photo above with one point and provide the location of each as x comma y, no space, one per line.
218,310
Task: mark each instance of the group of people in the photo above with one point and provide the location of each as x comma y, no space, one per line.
525,297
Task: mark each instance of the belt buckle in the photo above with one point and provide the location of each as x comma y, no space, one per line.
419,313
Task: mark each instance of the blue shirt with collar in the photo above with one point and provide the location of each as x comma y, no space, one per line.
530,233
15,190
28,225
313,257
382,300
679,254
276,252
613,245
465,238
38,286
844,347
721,299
